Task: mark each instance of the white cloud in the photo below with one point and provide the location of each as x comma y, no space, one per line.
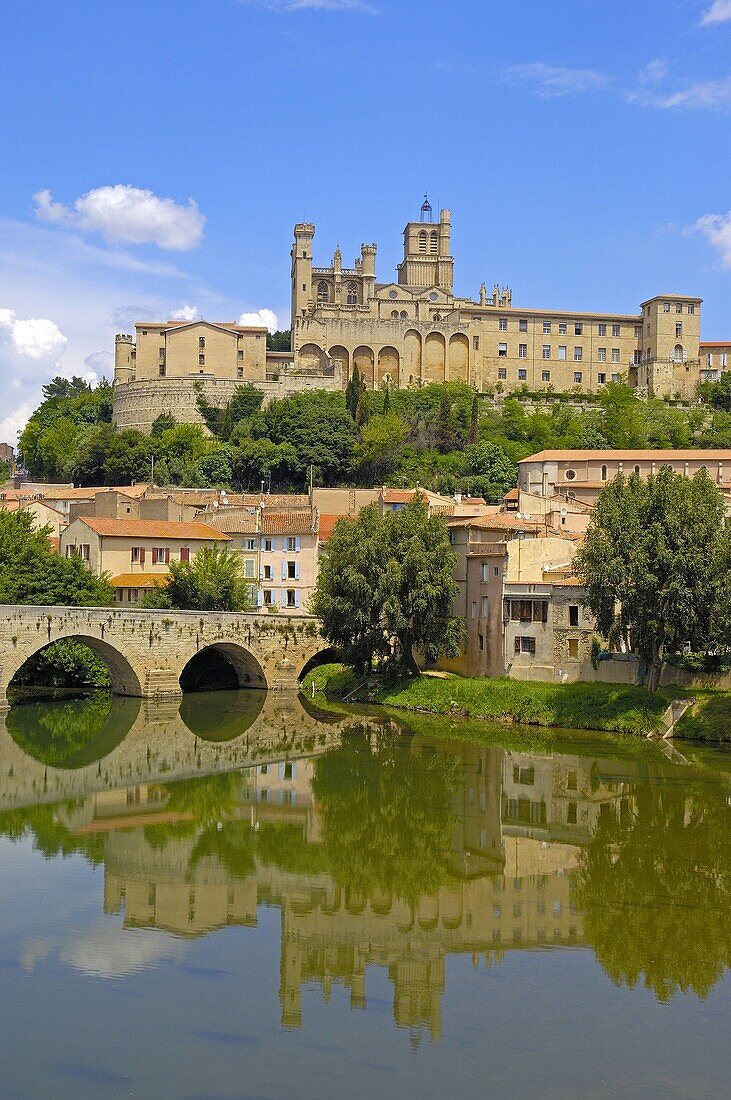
30,353
265,317
185,313
716,228
129,215
99,364
654,72
718,12
713,94
551,81
362,6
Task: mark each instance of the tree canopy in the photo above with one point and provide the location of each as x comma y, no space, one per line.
31,572
386,587
211,581
656,564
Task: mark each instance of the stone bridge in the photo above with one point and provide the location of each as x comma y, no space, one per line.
147,651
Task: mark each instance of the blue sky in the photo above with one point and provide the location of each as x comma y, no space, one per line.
583,146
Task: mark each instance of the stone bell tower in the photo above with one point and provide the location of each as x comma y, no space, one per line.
427,260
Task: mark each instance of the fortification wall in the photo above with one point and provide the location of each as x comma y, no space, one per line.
138,404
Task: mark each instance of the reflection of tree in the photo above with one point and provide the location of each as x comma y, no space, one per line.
386,816
229,842
655,889
49,836
285,847
204,803
72,733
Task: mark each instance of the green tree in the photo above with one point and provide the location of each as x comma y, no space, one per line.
717,394
65,663
385,588
474,421
212,581
281,340
162,423
381,444
318,426
48,441
257,459
489,470
623,417
656,564
31,572
353,391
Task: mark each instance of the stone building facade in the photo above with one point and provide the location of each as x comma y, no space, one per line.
407,332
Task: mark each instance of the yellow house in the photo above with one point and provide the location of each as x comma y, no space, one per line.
135,552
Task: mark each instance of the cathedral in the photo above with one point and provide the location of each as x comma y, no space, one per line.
409,332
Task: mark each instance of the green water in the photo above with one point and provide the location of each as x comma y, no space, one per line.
239,896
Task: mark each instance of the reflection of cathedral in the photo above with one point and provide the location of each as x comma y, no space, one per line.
519,821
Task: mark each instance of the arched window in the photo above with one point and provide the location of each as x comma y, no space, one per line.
404,315
604,473
422,241
323,291
678,354
434,242
437,317
394,315
352,294
637,469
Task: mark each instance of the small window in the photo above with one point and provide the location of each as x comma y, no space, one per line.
546,352
574,648
268,545
481,641
678,307
292,570
522,325
570,475
323,291
691,308
545,376
578,354
601,379
291,597
162,353
474,609
502,350
616,330
666,307
562,351
239,372
571,813
572,781
546,327
161,370
601,354
201,341
502,374
525,645
678,328
604,472
602,329
240,355
562,328
573,614
577,377
484,607
496,571
522,375
579,328
267,597
522,351
475,343
201,360
637,469
351,296
503,324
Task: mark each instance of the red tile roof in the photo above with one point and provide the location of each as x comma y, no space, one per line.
286,523
152,528
326,526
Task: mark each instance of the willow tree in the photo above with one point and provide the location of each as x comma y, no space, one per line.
656,565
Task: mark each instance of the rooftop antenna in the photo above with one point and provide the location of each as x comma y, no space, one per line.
426,210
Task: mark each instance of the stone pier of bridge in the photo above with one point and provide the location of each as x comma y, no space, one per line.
147,651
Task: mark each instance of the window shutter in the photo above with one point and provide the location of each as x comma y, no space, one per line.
131,555
284,570
296,570
142,555
167,556
185,553
284,544
283,597
259,598
298,543
296,597
154,555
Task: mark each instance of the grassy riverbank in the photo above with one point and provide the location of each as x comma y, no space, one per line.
616,708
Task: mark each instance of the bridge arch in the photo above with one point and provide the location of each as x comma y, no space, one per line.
225,664
125,680
324,656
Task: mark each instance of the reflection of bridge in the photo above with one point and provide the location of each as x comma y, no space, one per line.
159,741
147,651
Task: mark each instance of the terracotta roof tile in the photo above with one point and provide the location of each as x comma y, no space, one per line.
139,580
152,528
629,456
326,526
286,523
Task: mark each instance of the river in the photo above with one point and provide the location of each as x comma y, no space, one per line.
242,896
